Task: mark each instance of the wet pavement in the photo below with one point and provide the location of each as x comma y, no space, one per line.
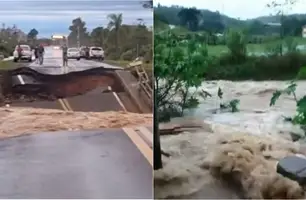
53,63
81,164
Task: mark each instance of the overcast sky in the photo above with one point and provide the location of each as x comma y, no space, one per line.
54,17
244,9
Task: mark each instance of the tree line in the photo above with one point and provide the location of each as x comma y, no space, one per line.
215,22
119,41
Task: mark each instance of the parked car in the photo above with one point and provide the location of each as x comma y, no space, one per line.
73,53
26,53
96,53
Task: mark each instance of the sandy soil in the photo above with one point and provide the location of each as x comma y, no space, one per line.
217,162
19,121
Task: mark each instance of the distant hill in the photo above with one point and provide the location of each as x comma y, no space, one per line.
276,19
169,15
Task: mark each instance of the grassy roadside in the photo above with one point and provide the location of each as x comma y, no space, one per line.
123,63
6,65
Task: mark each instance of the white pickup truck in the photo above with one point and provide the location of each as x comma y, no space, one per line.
26,53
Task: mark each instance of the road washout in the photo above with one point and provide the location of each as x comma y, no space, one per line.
40,86
22,121
219,161
17,121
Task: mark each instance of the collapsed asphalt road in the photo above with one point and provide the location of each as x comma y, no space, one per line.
84,85
105,163
80,91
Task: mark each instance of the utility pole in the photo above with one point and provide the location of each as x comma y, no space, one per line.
78,36
2,31
15,32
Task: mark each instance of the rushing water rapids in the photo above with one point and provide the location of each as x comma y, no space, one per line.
255,115
225,142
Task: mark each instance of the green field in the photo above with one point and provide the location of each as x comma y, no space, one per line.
216,50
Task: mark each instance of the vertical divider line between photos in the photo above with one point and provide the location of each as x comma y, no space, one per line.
156,143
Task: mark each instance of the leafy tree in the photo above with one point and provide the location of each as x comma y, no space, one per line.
78,28
9,39
115,23
280,7
147,4
99,36
236,43
178,66
32,35
134,40
190,18
160,23
215,22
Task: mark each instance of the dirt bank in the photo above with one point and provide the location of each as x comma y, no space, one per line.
50,87
19,121
215,162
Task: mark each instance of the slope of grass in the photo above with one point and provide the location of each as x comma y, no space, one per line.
8,65
123,63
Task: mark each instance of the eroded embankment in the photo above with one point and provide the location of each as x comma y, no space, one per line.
26,84
217,163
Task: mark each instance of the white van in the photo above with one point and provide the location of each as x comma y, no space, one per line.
26,53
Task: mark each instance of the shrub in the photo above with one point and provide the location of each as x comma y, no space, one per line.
274,67
128,55
302,74
236,42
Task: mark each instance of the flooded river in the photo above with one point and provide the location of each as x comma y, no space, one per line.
184,174
255,115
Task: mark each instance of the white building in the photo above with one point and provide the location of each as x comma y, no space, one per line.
304,31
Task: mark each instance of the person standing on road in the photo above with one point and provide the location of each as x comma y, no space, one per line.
36,53
65,58
87,52
19,51
41,52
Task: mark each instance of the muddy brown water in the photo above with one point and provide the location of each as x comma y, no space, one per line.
183,179
255,115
